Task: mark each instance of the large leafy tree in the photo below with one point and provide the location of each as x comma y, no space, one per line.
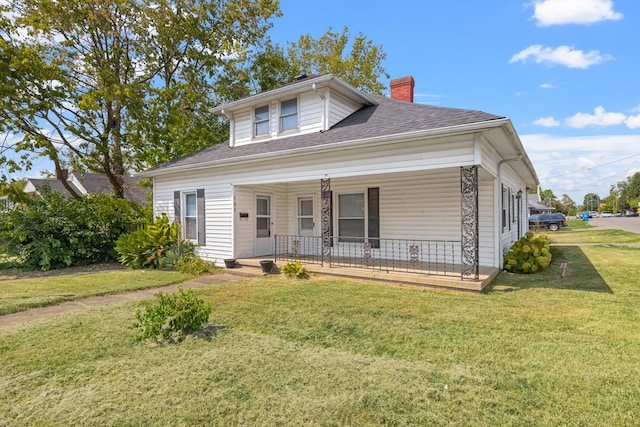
358,61
630,192
115,85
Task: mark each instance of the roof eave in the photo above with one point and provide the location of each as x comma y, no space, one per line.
320,81
372,141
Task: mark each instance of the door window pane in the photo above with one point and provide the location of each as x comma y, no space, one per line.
263,207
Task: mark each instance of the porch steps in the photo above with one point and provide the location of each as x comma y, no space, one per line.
250,267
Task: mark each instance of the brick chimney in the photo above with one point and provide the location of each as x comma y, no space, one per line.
402,88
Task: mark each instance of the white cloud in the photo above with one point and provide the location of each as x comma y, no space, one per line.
547,86
633,122
562,55
577,165
559,12
599,118
547,122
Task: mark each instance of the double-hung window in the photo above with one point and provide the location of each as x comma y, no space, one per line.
190,219
261,121
359,217
289,114
351,217
189,212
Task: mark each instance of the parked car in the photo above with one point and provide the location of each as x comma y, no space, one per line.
593,214
606,214
581,214
552,221
631,213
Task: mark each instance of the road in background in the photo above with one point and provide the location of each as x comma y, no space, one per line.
631,224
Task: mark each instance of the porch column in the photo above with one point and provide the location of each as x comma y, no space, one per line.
469,232
325,212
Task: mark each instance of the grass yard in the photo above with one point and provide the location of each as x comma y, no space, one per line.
21,294
536,350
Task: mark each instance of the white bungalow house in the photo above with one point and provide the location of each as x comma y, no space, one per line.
347,181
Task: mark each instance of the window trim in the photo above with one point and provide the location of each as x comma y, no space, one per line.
282,116
368,219
256,122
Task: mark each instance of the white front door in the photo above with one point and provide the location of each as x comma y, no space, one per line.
305,216
263,225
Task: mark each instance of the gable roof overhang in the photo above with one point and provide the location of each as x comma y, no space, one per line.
500,131
303,85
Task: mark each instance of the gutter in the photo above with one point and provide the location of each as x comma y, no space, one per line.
357,143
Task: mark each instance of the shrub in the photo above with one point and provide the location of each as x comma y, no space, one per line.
172,316
529,254
295,269
147,246
49,232
191,264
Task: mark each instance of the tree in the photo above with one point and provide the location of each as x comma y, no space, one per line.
591,202
115,85
630,192
361,66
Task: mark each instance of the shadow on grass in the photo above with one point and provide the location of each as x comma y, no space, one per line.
579,275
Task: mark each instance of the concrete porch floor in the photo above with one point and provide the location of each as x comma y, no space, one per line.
251,266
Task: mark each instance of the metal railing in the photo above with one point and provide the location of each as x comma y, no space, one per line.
434,257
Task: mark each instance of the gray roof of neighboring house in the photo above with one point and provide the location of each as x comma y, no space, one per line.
97,183
389,117
534,204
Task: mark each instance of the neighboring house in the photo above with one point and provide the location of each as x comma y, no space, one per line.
318,171
536,206
84,183
5,203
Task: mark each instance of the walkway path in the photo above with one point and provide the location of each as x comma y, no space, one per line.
86,303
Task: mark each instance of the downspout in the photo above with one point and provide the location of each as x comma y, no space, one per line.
232,133
498,238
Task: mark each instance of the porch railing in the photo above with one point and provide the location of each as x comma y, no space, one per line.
434,257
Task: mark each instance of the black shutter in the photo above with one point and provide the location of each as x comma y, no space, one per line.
373,206
200,207
177,213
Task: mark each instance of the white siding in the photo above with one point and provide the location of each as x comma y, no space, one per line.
419,185
311,112
340,108
243,121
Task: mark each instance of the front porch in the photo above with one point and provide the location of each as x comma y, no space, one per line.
435,279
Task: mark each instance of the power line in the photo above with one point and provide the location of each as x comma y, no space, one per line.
592,167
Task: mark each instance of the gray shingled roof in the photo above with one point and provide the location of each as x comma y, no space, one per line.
389,117
96,183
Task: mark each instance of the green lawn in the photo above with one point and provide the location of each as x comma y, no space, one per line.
535,350
21,294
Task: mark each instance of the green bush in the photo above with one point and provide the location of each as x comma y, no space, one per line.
148,246
191,264
172,316
49,232
295,269
529,254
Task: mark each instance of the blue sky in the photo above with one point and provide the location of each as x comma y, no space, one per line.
565,72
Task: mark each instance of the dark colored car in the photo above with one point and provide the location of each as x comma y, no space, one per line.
552,221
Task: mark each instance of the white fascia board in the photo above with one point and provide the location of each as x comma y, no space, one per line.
515,140
344,145
321,81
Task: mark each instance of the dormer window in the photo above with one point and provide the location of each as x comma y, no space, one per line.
261,121
289,114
